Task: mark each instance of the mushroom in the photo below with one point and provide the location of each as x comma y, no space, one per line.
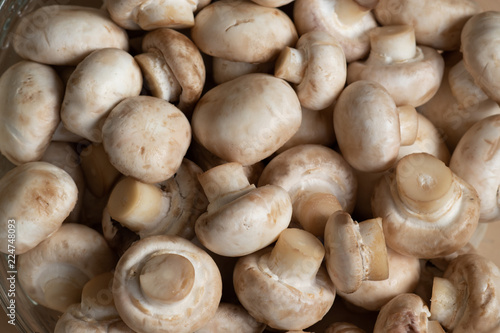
38,197
436,24
66,34
406,313
285,286
100,81
172,67
427,210
476,159
247,119
272,3
30,95
463,87
411,74
318,180
343,327
151,15
316,67
240,218
346,20
54,273
354,251
166,284
224,70
61,134
466,298
146,138
232,318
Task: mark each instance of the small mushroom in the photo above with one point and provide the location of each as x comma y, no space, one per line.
232,318
146,138
166,284
240,218
100,81
30,95
224,70
54,272
38,196
411,74
466,298
285,287
316,67
343,327
427,210
66,34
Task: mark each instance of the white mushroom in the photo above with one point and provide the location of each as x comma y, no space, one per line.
232,318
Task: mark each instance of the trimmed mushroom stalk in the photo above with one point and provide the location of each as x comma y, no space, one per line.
354,251
146,138
318,180
102,80
316,67
466,298
343,327
232,318
224,70
66,34
30,95
411,74
38,196
421,196
166,284
240,218
54,272
286,287
348,21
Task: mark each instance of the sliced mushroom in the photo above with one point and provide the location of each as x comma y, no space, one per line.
232,318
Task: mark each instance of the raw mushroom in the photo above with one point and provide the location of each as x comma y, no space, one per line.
100,81
285,287
318,180
224,70
38,196
66,34
232,318
272,3
240,219
61,134
463,87
146,138
54,272
346,20
166,284
343,327
30,95
466,298
316,67
411,74
427,210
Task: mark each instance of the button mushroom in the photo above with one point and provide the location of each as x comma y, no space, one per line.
232,318
285,287
343,327
166,284
224,70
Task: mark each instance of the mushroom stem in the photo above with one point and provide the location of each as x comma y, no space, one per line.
408,124
296,256
445,302
100,174
374,249
291,65
313,209
97,298
219,181
393,43
351,11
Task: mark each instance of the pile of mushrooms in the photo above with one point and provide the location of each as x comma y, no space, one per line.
254,166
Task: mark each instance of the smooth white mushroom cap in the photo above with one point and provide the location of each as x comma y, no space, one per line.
232,318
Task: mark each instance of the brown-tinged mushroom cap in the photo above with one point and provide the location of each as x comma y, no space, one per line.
66,34
232,318
38,196
146,138
166,284
30,95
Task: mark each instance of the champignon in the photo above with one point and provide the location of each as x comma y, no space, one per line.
285,286
272,3
232,318
343,327
463,87
224,70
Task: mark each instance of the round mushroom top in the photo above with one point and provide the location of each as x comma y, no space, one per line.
232,318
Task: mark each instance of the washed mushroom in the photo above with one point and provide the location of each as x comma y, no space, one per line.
232,318
99,82
247,119
410,73
316,67
166,284
318,180
54,272
240,218
38,197
427,210
224,70
146,138
285,286
66,34
343,327
30,95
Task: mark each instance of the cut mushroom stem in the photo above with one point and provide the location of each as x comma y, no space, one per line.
291,65
312,210
394,43
445,301
351,11
408,124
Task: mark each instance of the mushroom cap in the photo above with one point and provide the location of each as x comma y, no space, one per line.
232,318
272,3
247,119
39,196
242,31
343,327
146,138
224,70
99,82
184,315
30,95
76,320
66,34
